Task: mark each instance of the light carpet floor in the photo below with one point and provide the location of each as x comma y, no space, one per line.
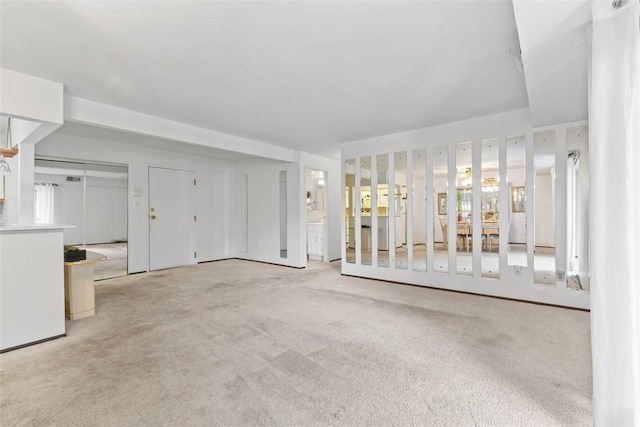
242,343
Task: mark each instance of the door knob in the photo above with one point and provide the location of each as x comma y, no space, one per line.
152,209
153,217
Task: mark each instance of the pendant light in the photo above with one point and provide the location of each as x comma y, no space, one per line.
5,169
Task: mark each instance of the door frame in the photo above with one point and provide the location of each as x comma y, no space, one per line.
325,226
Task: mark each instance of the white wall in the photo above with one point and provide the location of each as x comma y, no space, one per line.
213,225
218,232
264,213
213,214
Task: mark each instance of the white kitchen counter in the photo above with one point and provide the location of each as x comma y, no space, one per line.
31,284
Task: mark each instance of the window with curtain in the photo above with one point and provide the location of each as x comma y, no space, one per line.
44,202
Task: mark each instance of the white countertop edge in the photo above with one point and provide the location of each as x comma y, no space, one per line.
35,227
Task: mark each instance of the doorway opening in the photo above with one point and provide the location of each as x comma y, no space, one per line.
316,181
93,197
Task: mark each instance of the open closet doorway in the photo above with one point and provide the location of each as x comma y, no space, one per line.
93,197
316,214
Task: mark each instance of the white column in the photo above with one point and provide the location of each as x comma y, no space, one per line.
25,178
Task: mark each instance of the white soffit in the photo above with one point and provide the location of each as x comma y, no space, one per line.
302,75
553,39
85,131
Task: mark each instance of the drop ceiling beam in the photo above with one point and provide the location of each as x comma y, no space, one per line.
88,112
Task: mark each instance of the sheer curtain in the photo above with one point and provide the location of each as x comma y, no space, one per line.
44,203
615,226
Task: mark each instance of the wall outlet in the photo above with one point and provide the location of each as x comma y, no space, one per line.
517,269
560,276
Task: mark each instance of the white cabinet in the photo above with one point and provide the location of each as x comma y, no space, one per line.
315,241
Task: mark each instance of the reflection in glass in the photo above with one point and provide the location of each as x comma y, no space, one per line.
544,164
283,214
400,200
382,165
70,207
440,233
94,198
578,208
517,220
349,218
365,210
419,189
490,164
464,202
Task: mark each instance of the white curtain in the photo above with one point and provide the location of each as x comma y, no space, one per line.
44,203
615,220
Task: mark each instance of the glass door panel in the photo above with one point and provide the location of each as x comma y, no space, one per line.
440,226
464,203
365,210
349,213
94,198
490,164
382,211
400,211
419,224
544,164
578,208
517,219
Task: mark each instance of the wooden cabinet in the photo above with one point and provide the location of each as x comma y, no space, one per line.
79,296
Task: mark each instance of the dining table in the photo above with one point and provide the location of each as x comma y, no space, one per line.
490,232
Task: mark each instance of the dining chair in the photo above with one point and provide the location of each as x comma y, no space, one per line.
445,234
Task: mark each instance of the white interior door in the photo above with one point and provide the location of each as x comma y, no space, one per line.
171,218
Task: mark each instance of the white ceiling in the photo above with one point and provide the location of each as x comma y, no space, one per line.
553,36
303,75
